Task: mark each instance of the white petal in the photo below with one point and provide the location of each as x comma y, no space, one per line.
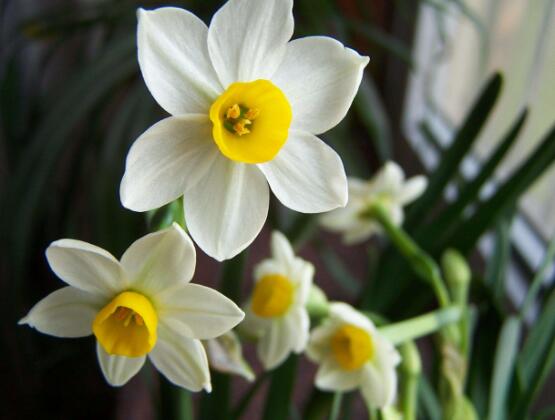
331,377
182,360
226,210
160,260
118,369
174,60
302,273
198,312
86,267
341,219
307,175
267,267
347,314
361,232
378,385
281,248
168,158
318,347
320,78
253,325
389,178
67,312
247,39
412,189
358,188
299,325
276,344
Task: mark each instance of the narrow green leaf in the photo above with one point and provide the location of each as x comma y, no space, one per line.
539,278
470,230
470,191
334,265
371,112
536,359
280,392
505,355
429,406
453,156
497,265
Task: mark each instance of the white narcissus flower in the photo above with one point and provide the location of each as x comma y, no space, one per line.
246,105
276,312
388,187
352,354
138,306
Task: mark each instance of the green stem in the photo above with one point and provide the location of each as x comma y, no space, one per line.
422,264
336,406
175,402
244,402
422,325
411,369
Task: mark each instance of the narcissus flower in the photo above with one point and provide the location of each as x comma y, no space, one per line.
138,306
276,312
352,354
246,105
388,187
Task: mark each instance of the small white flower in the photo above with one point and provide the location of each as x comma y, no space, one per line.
225,355
352,354
138,306
246,105
389,187
276,312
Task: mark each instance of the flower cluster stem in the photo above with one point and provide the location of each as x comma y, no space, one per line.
422,264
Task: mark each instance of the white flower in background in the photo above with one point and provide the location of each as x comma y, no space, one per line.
276,312
225,354
352,354
388,187
138,306
246,105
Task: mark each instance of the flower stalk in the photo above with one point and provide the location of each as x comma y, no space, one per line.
411,368
422,264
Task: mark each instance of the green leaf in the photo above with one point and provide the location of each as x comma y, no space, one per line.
280,392
470,230
428,407
470,191
505,356
536,359
453,156
337,269
496,271
38,162
371,112
539,278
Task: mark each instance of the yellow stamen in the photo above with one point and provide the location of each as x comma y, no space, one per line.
233,112
272,296
127,325
262,107
252,113
240,128
352,347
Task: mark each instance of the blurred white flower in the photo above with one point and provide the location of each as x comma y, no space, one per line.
276,312
388,187
225,355
246,105
138,306
352,354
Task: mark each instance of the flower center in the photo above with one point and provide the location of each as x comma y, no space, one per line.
127,325
352,347
272,296
250,121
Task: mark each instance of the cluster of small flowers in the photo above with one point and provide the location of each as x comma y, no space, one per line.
246,104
